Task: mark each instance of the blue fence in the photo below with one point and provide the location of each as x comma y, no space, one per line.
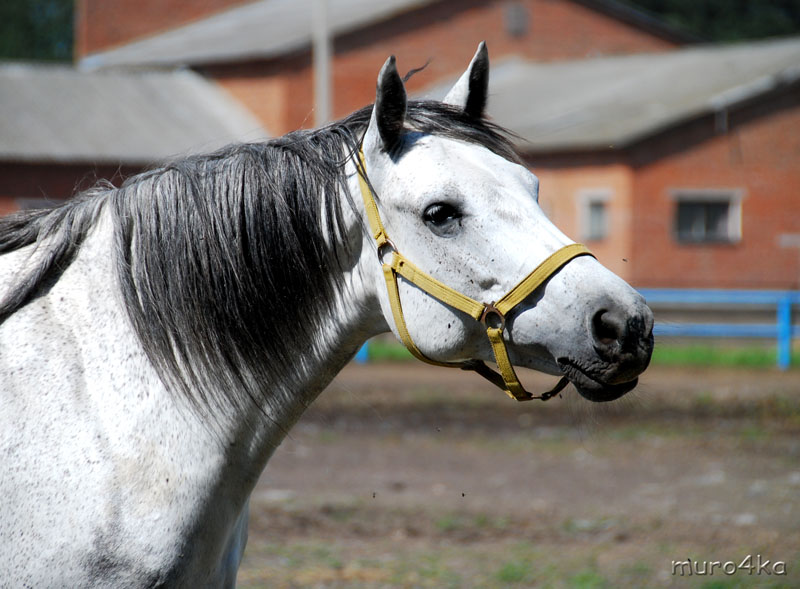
363,354
782,330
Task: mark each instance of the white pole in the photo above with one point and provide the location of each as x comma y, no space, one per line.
322,63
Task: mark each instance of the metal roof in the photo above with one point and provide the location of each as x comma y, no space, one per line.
612,102
257,30
56,113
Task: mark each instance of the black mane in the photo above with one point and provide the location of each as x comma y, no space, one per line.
220,257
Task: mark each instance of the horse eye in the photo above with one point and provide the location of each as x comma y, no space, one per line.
440,214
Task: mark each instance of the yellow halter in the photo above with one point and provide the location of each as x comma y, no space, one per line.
492,315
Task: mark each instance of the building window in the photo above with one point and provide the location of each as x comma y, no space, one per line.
708,217
597,223
594,215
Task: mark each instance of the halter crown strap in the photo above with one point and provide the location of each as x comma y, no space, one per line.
492,315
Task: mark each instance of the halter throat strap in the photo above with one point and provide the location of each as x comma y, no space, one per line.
492,315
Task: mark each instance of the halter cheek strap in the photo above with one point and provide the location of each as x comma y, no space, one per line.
492,315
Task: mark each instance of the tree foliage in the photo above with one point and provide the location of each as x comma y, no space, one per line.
727,20
36,29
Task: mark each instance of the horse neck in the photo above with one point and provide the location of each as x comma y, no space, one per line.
354,317
225,454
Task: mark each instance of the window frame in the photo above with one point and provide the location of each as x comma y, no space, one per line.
586,198
732,196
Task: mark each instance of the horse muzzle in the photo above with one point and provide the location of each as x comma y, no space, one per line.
621,347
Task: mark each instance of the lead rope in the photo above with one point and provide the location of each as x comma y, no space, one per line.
492,315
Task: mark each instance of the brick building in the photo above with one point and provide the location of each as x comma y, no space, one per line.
677,165
261,53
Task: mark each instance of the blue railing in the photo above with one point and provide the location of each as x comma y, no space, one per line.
782,330
363,354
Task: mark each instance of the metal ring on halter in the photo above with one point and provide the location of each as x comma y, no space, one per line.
488,310
386,244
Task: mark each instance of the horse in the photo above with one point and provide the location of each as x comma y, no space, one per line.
159,339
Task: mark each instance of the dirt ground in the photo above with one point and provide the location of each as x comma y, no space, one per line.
406,475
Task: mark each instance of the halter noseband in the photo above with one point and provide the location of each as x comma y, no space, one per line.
492,315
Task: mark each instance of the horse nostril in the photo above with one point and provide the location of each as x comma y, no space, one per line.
621,337
608,328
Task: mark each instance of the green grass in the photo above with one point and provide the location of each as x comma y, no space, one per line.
709,355
588,579
382,350
665,354
515,571
451,523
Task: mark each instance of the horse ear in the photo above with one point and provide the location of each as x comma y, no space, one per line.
472,89
389,112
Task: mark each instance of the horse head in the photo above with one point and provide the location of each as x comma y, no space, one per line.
466,217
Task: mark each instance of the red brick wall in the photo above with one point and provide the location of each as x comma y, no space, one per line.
759,155
52,181
103,24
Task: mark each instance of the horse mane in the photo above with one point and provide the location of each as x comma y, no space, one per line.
221,259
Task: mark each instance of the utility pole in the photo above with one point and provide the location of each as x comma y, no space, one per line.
321,49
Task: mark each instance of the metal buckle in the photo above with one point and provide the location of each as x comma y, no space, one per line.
488,310
382,249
